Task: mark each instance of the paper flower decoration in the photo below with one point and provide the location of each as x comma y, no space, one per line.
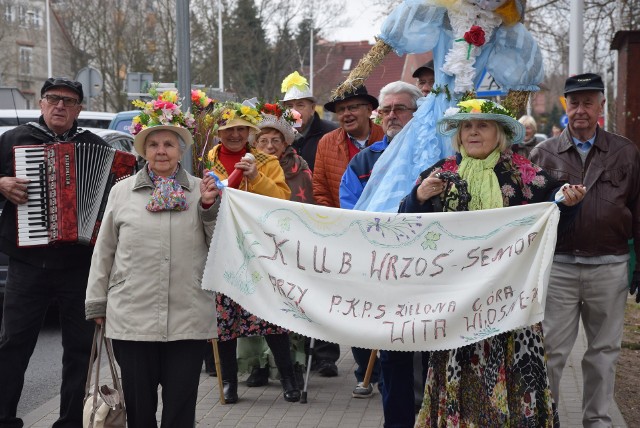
164,110
294,79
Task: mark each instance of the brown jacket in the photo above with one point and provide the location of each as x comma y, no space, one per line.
610,212
332,159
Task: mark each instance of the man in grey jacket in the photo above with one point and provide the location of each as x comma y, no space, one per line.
589,278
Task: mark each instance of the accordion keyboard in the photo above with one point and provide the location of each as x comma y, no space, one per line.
32,216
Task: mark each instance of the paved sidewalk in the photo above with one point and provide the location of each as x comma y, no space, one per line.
329,402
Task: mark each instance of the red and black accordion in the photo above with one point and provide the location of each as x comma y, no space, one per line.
68,190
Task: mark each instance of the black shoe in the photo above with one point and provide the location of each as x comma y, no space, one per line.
230,391
291,393
258,377
327,368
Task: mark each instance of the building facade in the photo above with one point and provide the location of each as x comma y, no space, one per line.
23,47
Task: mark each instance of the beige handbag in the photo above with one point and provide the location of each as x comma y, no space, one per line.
104,407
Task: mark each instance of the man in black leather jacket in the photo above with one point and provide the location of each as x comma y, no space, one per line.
589,277
41,275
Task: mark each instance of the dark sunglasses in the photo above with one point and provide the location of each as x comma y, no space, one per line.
67,101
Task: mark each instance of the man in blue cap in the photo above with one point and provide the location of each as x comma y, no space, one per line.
589,278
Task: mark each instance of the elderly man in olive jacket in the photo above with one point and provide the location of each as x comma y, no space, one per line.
589,278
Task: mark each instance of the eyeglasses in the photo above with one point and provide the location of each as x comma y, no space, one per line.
67,101
386,111
352,108
266,141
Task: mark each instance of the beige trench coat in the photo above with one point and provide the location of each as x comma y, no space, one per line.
147,267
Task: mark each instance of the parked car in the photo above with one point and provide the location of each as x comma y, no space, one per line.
86,119
122,120
120,141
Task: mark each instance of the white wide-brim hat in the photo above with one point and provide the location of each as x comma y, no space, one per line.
453,117
140,137
295,93
279,124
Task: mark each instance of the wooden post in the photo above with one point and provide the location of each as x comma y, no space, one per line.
372,360
214,343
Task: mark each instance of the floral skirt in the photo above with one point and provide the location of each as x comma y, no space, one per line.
498,382
234,321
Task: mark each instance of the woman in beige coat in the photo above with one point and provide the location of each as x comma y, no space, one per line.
145,279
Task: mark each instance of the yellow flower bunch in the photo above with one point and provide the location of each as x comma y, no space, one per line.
169,96
472,106
228,111
294,79
228,114
483,106
251,114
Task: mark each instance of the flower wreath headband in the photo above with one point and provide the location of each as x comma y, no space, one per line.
291,116
275,116
163,110
477,109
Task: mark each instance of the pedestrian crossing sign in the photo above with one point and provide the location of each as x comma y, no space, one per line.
488,87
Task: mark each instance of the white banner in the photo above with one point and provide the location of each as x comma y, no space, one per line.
383,281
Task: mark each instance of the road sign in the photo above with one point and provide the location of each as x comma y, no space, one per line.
488,87
138,82
91,80
564,120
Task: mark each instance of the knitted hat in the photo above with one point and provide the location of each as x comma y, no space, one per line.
280,124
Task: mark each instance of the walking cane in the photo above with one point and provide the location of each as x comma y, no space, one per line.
367,374
216,354
303,396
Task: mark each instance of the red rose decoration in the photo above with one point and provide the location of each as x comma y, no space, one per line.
475,36
273,109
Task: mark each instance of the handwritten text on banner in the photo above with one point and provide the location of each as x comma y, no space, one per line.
383,281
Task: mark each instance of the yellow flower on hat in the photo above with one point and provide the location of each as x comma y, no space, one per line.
139,104
170,96
228,114
472,106
294,79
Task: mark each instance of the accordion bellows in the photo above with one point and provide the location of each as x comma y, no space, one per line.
68,190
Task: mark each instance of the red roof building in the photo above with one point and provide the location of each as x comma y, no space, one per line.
333,61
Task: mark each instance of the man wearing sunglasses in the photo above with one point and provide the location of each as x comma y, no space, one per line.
41,275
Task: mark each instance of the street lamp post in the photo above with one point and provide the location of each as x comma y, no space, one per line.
311,57
220,61
183,48
576,43
49,66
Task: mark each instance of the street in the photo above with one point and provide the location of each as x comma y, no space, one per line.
42,379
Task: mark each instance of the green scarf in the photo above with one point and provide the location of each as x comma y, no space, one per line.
482,181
